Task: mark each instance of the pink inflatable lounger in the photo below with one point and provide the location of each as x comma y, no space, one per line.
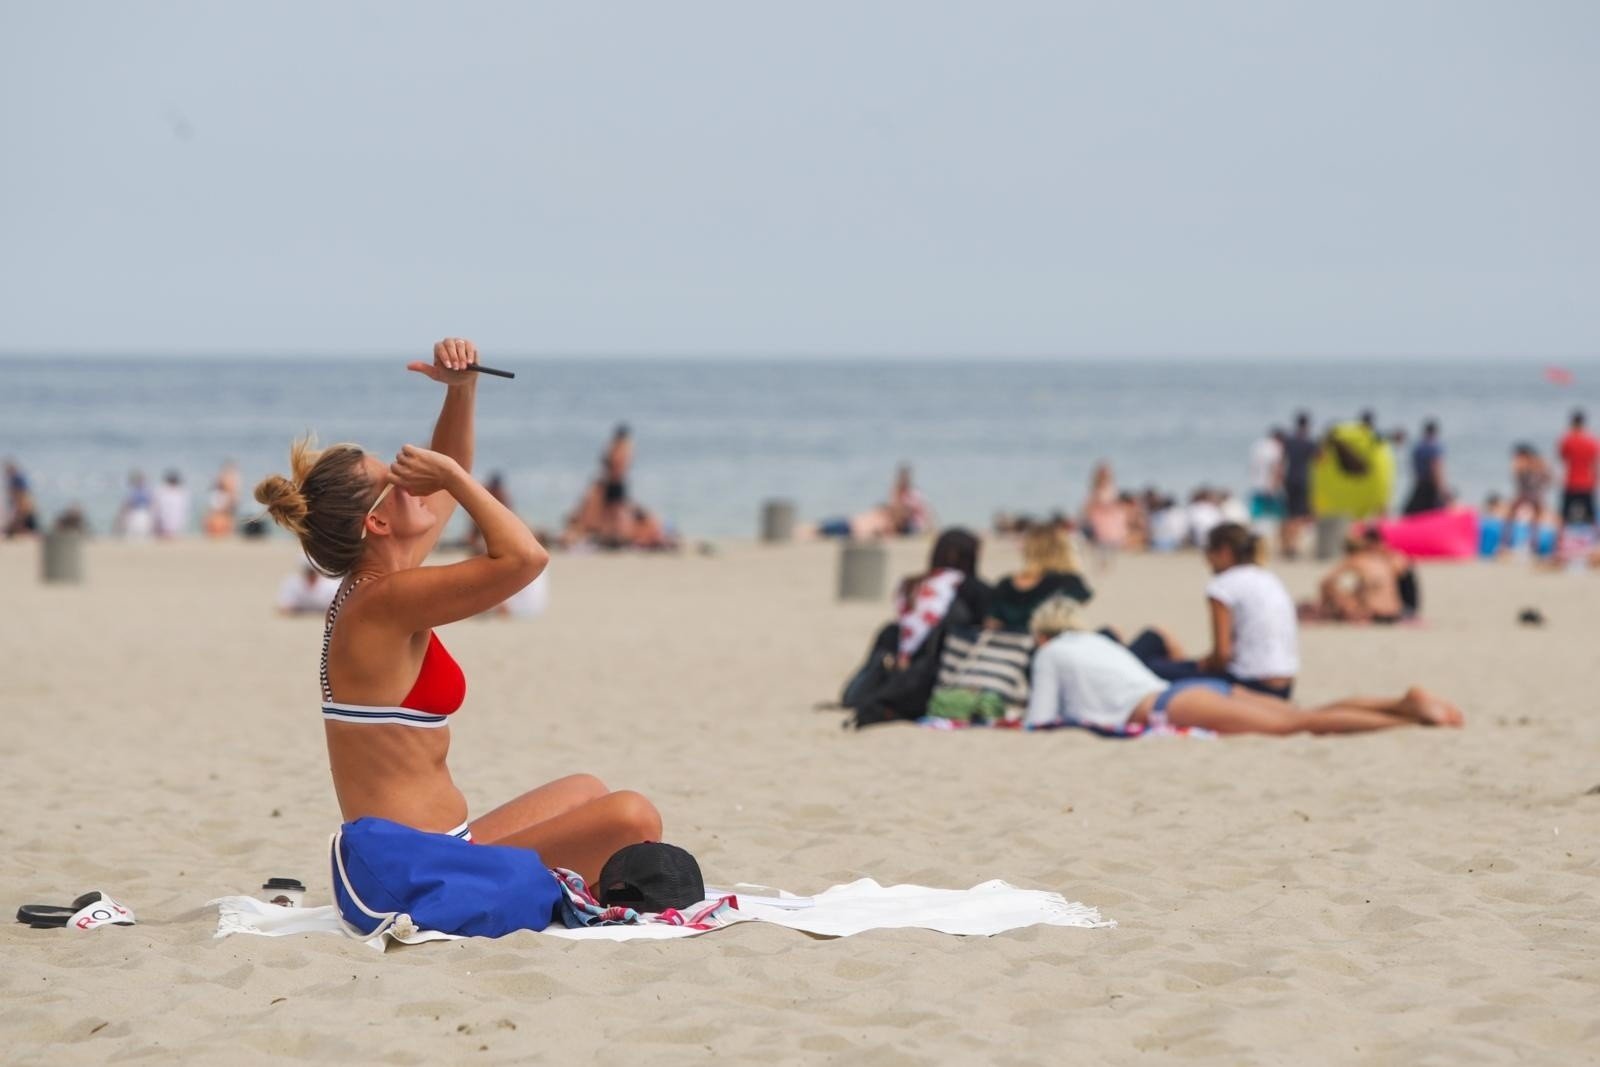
1449,533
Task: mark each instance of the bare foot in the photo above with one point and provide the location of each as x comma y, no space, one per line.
1430,710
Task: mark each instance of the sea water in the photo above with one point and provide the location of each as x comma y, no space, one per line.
715,437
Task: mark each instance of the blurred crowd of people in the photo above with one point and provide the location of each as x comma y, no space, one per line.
1347,471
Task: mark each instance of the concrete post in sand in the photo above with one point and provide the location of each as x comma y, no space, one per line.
777,521
863,571
61,556
1331,532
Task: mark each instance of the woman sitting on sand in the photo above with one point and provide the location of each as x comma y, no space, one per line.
1255,638
898,677
1086,679
1368,585
389,687
1049,568
950,589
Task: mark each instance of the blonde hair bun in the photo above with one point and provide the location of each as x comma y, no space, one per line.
284,502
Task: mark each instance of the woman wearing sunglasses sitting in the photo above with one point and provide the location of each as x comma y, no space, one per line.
389,687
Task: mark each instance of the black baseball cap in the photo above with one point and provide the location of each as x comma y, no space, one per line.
651,876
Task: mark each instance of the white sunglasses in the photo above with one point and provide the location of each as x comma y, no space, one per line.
381,497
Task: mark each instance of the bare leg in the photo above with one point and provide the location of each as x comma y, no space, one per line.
1263,714
574,823
1416,705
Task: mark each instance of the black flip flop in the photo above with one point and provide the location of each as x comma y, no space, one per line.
47,916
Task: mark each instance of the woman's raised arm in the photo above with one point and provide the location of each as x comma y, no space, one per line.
453,433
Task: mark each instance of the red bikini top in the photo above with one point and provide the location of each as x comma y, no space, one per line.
440,687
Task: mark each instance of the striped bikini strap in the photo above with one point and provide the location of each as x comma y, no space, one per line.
327,635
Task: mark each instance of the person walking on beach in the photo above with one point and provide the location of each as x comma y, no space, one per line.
390,689
1580,451
1299,453
1428,491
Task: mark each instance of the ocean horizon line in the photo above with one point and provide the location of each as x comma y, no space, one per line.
31,355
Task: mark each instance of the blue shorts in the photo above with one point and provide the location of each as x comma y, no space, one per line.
1266,506
1216,685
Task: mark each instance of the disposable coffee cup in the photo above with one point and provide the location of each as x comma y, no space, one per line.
284,892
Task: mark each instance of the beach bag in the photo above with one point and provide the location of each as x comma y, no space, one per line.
874,672
882,691
385,874
988,661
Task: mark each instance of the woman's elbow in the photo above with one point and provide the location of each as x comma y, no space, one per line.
532,560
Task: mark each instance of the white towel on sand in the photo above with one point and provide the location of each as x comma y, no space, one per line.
989,908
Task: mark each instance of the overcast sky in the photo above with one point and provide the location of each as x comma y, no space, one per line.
989,178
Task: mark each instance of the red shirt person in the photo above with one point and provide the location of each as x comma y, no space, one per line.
1580,451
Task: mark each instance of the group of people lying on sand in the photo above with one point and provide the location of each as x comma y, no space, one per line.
1086,677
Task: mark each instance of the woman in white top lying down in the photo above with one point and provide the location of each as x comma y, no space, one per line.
1082,678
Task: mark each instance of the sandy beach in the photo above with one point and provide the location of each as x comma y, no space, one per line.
1416,896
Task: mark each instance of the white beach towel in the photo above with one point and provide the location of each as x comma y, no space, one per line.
990,908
